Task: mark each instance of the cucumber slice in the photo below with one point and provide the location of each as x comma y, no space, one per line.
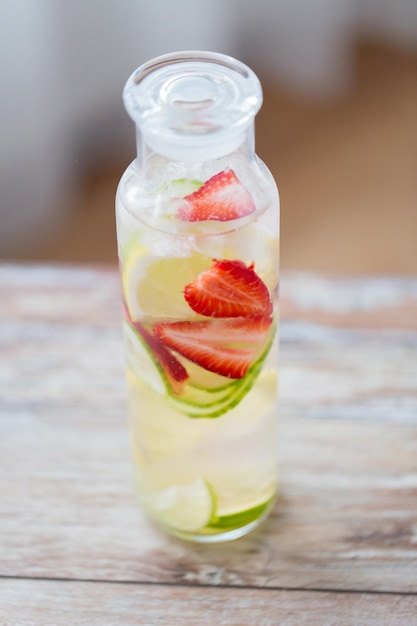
141,361
202,398
229,402
201,403
201,378
194,402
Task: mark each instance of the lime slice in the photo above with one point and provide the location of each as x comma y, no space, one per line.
179,187
183,187
188,507
242,518
155,289
141,361
169,194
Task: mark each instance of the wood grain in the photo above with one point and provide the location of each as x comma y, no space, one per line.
347,514
30,602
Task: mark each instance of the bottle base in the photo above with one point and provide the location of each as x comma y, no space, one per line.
211,534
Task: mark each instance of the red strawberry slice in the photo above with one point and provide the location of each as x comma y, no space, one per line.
222,197
225,347
229,289
174,370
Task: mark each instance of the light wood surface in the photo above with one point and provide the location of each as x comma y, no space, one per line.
340,546
72,603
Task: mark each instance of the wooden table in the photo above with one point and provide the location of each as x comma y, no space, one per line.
340,548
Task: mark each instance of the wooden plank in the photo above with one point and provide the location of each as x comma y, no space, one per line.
32,602
347,516
345,301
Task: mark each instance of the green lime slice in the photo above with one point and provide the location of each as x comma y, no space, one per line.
183,187
242,518
169,195
178,188
187,507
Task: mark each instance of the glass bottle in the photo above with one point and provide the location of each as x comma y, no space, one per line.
198,231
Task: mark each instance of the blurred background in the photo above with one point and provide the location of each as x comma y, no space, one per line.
338,127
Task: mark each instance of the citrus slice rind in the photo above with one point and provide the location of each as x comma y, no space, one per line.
242,518
185,507
179,187
183,187
132,248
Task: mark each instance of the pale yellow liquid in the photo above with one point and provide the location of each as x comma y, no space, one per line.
234,454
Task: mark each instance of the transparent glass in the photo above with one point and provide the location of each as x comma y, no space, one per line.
198,238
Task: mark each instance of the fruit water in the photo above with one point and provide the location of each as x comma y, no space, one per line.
197,229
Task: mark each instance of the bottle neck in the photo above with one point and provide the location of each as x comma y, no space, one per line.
197,148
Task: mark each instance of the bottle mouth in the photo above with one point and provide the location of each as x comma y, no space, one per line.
189,104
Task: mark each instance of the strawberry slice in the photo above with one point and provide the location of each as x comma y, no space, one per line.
229,289
222,197
225,347
174,370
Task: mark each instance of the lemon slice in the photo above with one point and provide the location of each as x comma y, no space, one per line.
188,507
133,248
155,289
